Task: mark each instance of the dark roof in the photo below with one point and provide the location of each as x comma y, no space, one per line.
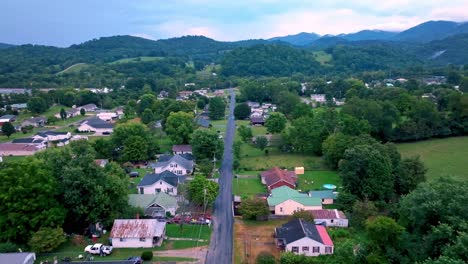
203,122
50,133
182,148
164,158
166,176
98,123
27,140
257,120
36,119
276,174
327,214
7,117
297,229
187,156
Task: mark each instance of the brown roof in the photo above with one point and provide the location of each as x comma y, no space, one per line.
17,147
182,148
327,214
276,174
136,228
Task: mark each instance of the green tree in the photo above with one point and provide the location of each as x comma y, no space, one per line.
147,116
265,258
464,85
384,233
8,247
242,111
361,211
19,180
82,112
287,102
47,239
410,173
217,107
68,99
245,133
179,127
63,114
123,132
37,105
304,215
203,191
146,101
52,120
254,208
135,149
206,144
8,129
276,123
300,110
261,142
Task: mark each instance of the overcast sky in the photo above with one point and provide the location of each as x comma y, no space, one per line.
66,22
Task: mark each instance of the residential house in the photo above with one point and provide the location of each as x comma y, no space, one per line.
97,126
52,136
154,205
177,164
326,196
285,201
18,258
329,217
88,108
120,111
181,149
219,93
137,233
69,113
163,94
203,122
185,94
6,119
165,181
318,98
39,121
304,238
19,106
257,121
107,116
253,104
15,91
38,142
19,149
276,177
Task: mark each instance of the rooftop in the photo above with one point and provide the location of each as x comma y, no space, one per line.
17,147
146,200
137,228
326,194
284,193
16,258
276,174
98,123
166,176
187,164
328,214
182,148
297,229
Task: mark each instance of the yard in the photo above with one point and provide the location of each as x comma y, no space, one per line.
188,231
442,157
247,187
314,180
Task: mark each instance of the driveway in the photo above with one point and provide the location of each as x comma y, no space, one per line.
221,246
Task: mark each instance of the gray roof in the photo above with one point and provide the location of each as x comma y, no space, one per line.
187,164
297,229
36,119
98,123
16,258
27,140
166,176
50,133
203,122
7,117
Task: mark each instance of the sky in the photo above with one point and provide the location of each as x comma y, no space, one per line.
65,22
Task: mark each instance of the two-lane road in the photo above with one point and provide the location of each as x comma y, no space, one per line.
221,246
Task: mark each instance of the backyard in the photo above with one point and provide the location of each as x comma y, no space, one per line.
314,180
247,187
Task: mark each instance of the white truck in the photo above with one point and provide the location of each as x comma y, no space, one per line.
98,249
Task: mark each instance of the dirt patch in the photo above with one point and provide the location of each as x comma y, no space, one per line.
250,239
198,253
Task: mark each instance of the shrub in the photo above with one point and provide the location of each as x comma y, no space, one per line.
147,255
47,239
8,247
265,258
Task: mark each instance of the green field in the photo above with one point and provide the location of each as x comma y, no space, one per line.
442,157
314,180
137,59
322,57
188,231
247,187
75,68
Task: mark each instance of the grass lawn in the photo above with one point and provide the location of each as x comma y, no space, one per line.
133,182
188,231
322,57
13,158
442,157
219,125
180,244
137,59
256,130
75,68
314,180
247,187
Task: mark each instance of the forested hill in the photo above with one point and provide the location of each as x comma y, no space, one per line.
4,45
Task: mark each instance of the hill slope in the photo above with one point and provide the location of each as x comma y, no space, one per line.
369,35
5,46
301,39
432,30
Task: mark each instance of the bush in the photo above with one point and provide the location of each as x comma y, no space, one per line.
47,239
147,255
8,247
265,258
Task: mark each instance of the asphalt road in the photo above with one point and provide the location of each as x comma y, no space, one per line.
221,246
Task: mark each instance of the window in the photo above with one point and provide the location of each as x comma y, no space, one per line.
295,249
305,249
281,209
315,249
331,221
142,239
122,239
328,250
142,190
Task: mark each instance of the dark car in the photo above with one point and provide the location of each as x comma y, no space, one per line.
134,174
137,260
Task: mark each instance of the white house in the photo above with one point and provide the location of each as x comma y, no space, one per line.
304,238
18,258
177,164
154,205
19,149
330,217
52,136
96,125
318,98
285,201
107,116
165,181
181,149
137,233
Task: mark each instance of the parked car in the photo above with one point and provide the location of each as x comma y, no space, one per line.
96,249
137,260
134,174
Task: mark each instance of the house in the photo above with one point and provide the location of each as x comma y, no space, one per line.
181,149
38,142
137,233
165,181
257,121
52,136
318,98
285,201
18,258
304,238
97,126
6,119
219,93
15,91
329,217
276,177
177,164
326,196
88,108
107,116
154,205
185,94
120,111
253,104
101,162
39,121
203,122
20,149
19,106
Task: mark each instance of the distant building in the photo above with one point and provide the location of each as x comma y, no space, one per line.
39,121
15,91
276,177
6,119
97,126
318,98
107,116
257,121
19,106
165,181
285,201
181,149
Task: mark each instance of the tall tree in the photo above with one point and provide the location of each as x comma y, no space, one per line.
147,116
410,173
123,146
276,123
261,142
8,129
206,144
203,191
242,111
217,108
82,112
253,208
63,114
37,105
245,133
179,127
